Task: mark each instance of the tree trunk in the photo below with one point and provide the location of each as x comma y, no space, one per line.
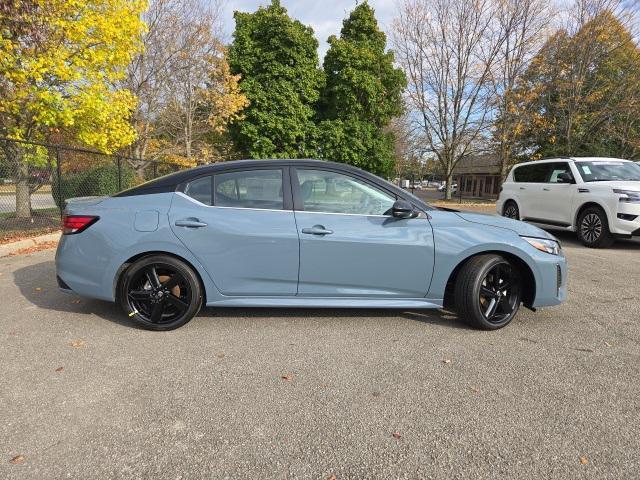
449,186
23,195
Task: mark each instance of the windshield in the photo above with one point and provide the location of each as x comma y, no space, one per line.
609,171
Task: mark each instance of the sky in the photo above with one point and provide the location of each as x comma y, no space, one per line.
324,16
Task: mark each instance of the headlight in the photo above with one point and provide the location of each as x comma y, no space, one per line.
544,245
628,196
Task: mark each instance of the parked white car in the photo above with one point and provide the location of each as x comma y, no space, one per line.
443,187
598,198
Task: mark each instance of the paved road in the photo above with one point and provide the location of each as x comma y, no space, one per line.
554,395
39,201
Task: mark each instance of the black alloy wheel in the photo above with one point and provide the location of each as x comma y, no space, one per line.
488,292
499,293
160,293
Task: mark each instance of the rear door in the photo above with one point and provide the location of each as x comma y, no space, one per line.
350,246
241,227
529,180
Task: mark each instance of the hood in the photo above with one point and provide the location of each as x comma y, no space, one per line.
521,228
621,184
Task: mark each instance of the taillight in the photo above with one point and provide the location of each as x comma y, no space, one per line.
77,223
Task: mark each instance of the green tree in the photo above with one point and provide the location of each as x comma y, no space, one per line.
277,60
581,93
58,60
363,92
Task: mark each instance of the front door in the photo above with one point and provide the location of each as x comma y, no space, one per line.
350,246
241,227
556,200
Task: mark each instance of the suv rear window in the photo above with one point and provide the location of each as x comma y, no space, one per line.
532,173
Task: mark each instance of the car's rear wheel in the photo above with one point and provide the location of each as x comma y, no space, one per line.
593,228
488,292
160,292
511,210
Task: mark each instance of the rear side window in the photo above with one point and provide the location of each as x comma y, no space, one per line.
249,189
200,190
532,173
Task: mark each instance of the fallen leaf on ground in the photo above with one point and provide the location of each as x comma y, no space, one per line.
288,377
474,390
446,360
17,459
78,343
396,435
220,354
584,460
38,289
33,249
59,369
608,344
332,477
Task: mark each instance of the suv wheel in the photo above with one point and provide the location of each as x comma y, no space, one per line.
593,228
488,292
511,210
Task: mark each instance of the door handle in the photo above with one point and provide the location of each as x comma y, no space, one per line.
190,223
317,230
546,189
522,188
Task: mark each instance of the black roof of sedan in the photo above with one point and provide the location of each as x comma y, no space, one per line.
170,183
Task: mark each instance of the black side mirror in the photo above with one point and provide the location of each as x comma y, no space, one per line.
403,209
565,177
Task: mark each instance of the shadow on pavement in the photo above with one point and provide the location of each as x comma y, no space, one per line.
42,276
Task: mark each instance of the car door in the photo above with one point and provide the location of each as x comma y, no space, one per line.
555,202
241,227
350,246
529,180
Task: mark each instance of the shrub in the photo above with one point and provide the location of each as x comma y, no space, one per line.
96,181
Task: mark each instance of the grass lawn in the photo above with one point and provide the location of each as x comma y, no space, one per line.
11,189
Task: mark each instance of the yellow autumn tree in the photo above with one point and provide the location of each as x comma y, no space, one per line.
59,60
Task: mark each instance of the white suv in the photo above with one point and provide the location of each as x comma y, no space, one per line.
598,198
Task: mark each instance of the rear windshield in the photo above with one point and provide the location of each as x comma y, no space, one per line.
605,171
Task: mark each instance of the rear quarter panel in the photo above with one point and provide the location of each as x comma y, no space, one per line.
89,262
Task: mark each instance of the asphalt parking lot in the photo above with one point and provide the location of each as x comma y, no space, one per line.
248,393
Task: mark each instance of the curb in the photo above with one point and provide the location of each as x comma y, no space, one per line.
10,248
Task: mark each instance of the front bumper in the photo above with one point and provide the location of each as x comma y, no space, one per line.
552,282
627,220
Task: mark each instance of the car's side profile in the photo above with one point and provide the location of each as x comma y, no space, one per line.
299,233
598,198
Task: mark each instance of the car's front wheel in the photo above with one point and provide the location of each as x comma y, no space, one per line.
488,292
160,292
593,228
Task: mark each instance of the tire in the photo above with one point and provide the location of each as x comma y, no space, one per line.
511,210
593,228
160,292
476,287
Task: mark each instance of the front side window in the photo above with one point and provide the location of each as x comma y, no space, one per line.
532,173
605,171
200,190
249,189
556,169
332,192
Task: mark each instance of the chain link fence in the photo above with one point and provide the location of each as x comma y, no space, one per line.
37,178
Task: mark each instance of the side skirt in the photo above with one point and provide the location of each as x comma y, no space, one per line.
322,302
